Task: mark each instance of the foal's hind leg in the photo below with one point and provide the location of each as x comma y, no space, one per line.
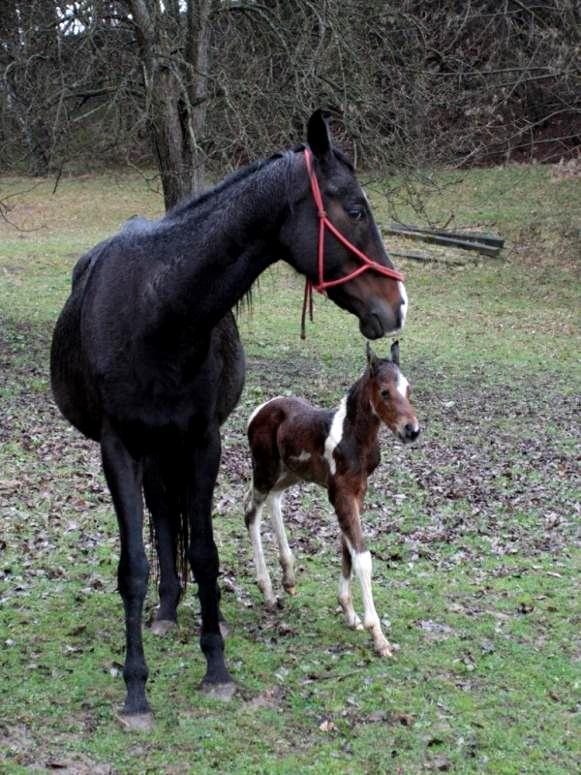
253,519
286,559
162,503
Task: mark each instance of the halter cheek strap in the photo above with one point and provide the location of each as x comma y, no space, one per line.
324,223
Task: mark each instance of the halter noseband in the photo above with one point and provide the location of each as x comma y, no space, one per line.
324,222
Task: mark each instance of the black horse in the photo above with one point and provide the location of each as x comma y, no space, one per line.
146,358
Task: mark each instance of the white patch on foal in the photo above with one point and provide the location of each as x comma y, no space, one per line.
302,458
402,385
335,434
258,408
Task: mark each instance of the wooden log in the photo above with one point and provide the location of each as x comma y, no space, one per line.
469,236
486,250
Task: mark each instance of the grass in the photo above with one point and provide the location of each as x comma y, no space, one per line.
472,529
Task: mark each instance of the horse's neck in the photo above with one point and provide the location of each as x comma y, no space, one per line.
231,238
362,421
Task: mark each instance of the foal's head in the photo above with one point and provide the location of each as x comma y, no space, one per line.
390,394
379,301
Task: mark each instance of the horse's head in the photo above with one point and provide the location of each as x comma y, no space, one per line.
390,394
378,300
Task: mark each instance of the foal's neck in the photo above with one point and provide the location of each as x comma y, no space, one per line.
362,422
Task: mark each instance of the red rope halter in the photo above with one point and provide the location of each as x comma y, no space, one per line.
324,222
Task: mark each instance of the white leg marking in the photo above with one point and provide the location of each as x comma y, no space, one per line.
287,561
362,568
262,575
335,435
346,603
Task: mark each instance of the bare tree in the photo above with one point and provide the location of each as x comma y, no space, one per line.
204,85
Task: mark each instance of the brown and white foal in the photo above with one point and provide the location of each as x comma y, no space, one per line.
292,441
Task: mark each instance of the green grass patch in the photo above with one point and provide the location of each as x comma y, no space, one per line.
472,528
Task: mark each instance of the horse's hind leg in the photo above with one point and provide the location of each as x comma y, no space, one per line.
203,556
161,501
124,476
286,559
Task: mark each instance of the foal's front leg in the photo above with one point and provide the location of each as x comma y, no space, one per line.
345,599
124,476
347,510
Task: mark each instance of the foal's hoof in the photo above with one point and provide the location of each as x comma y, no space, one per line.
273,604
384,649
222,692
136,722
292,590
162,626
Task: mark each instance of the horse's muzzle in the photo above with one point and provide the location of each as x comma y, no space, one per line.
380,322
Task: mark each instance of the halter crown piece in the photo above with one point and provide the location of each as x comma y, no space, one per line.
325,223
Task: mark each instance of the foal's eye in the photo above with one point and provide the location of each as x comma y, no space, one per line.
357,213
385,394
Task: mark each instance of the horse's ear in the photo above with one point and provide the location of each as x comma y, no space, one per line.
371,358
318,135
395,353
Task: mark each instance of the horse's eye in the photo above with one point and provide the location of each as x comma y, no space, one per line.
385,394
357,213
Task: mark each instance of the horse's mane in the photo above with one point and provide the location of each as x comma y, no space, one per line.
236,177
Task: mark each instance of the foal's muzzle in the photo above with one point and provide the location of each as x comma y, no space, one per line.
409,432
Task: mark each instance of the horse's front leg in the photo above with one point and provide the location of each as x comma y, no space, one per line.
203,556
347,507
124,478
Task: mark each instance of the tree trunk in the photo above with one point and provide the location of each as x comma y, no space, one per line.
176,87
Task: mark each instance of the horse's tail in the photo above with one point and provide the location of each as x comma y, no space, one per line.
168,518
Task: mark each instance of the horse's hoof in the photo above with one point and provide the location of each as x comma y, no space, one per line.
162,626
136,722
224,629
222,692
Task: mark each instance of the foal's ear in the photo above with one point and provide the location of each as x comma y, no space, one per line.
318,135
395,353
371,358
